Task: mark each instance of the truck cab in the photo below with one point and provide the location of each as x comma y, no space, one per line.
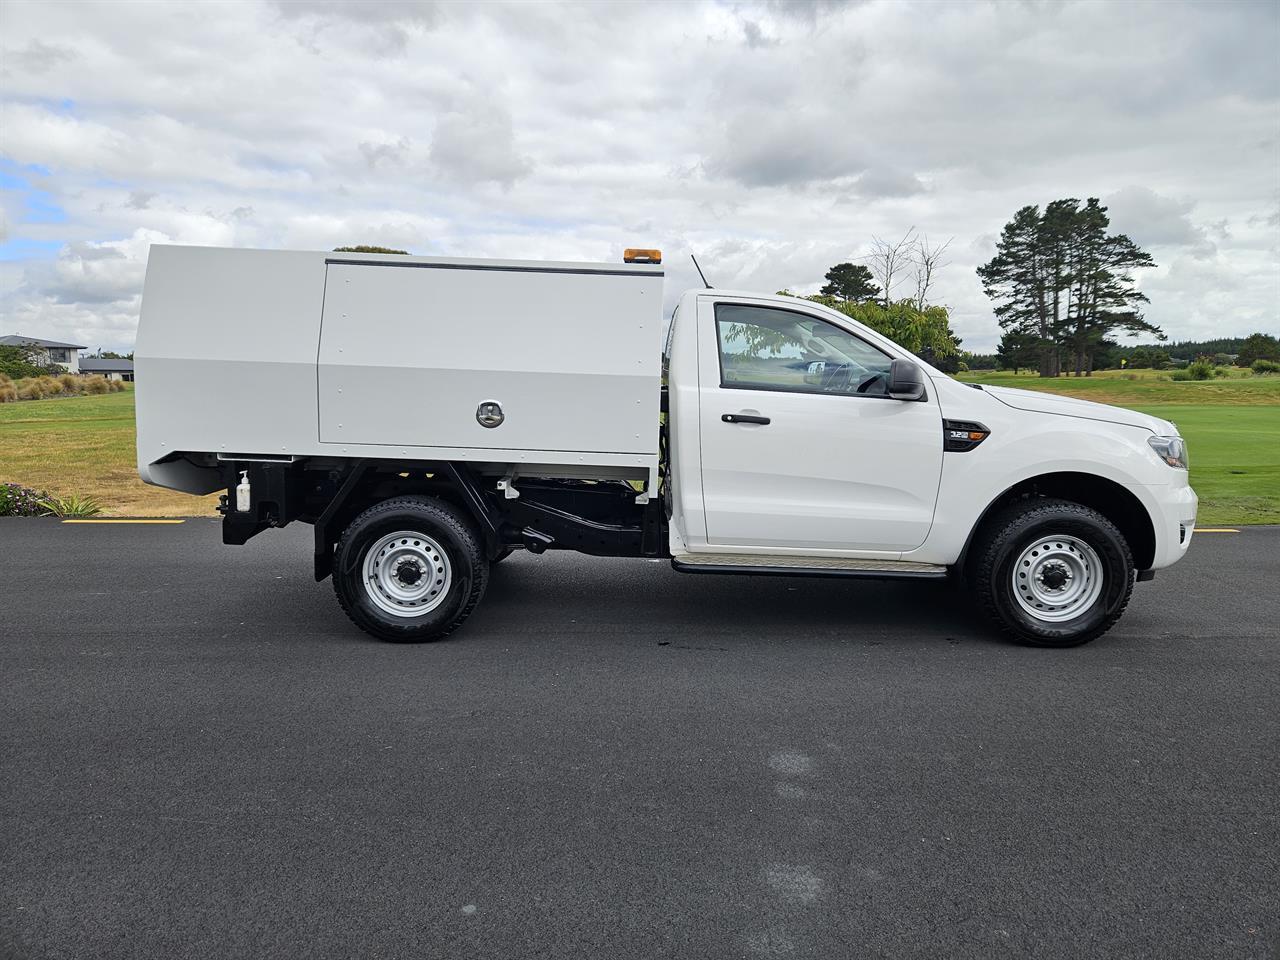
755,434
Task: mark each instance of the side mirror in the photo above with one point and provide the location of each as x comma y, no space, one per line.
815,372
906,380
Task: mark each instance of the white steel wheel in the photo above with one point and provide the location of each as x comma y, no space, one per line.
1057,578
407,574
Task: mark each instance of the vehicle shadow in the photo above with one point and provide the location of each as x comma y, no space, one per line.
572,590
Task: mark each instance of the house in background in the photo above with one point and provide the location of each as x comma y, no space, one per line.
65,355
111,369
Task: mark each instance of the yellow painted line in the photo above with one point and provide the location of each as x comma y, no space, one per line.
124,521
1216,530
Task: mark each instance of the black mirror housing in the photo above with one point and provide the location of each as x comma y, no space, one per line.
906,380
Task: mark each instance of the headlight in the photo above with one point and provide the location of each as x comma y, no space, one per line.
1172,450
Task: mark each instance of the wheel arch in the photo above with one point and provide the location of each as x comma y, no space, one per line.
1108,497
453,484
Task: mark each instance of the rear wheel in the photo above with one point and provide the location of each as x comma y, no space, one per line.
1053,573
410,570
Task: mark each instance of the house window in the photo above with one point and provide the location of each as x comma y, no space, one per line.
59,355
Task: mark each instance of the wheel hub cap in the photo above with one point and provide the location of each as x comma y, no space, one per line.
407,574
1057,578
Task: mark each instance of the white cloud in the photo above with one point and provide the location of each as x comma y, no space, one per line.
774,139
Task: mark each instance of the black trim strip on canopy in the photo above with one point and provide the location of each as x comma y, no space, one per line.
603,271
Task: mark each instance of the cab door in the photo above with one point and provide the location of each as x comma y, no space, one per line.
802,449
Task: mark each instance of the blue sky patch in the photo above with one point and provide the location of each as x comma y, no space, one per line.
23,248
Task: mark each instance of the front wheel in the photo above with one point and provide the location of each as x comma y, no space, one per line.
410,570
1053,573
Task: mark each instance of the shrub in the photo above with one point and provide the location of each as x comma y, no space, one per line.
30,390
50,386
72,506
19,501
5,380
1199,370
8,393
70,383
117,386
1221,372
96,384
1263,367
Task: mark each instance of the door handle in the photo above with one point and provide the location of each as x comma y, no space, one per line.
743,418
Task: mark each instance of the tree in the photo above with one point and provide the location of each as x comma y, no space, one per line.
1017,350
980,361
1258,346
1143,358
1061,279
851,283
366,249
928,261
23,360
889,260
924,332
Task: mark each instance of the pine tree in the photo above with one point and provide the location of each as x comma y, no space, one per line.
1062,280
850,283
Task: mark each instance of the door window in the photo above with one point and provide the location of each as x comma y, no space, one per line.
764,348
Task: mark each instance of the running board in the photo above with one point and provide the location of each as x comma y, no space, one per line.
792,566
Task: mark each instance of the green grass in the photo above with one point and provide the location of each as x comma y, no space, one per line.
1232,428
1134,387
1235,460
84,446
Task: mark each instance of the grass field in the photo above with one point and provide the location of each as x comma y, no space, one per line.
85,445
1232,428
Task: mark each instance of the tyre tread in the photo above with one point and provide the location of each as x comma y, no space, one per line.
442,512
998,529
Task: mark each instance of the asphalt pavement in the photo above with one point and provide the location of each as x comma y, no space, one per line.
201,757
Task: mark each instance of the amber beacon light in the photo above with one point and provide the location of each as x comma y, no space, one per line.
641,256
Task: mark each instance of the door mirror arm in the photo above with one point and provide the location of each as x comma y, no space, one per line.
906,381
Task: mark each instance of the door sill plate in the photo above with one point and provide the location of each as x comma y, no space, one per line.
793,566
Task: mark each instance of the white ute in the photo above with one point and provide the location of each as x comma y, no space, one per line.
429,416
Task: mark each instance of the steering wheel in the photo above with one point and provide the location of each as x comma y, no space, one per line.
838,380
865,385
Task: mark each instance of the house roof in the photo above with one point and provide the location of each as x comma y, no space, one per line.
20,340
99,363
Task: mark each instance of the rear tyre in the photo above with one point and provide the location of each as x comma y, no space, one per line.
410,570
1052,573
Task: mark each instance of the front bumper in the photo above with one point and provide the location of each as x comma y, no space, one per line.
1174,517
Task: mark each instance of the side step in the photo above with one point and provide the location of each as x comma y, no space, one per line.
793,566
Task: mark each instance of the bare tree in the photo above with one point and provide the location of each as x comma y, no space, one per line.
928,261
888,261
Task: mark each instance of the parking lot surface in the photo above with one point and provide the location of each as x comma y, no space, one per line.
203,758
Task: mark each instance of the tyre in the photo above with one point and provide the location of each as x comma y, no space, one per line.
410,570
1052,573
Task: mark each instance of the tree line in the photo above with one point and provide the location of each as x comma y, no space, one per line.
1223,351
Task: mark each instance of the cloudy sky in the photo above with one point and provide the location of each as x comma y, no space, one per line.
773,139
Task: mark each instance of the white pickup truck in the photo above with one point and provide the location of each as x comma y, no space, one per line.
429,416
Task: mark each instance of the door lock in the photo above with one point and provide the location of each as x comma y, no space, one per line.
489,413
